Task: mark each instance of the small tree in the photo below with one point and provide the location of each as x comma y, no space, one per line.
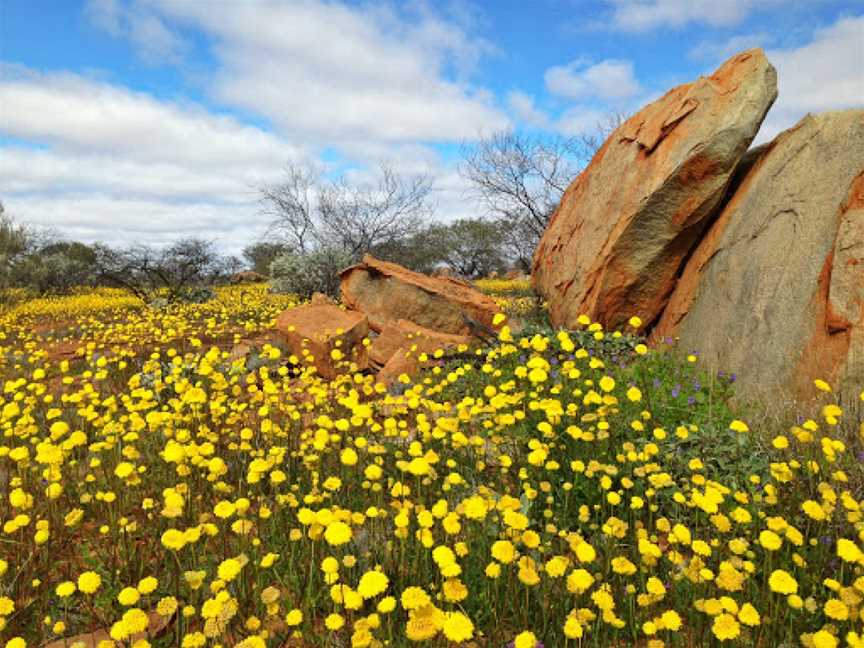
259,256
305,274
311,212
472,247
421,251
178,270
56,267
14,242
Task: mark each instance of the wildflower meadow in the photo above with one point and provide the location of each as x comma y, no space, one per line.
160,487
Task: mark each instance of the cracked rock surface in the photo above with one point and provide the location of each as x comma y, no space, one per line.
775,290
627,223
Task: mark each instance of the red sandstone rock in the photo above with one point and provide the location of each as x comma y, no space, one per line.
387,292
616,243
319,329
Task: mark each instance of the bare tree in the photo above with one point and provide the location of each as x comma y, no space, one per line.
177,270
520,179
312,212
291,203
363,218
591,141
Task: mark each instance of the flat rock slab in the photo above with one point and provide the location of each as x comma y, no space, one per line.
387,292
318,329
406,336
775,290
616,243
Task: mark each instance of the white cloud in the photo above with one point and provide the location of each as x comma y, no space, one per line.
331,72
644,15
104,162
715,51
33,171
120,221
608,79
366,82
522,105
825,74
77,114
580,120
153,40
105,14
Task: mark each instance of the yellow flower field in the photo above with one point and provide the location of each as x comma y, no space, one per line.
558,489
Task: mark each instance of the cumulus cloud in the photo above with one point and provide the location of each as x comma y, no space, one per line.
608,79
366,83
76,113
718,50
823,74
100,161
580,120
119,220
153,40
644,15
523,107
337,72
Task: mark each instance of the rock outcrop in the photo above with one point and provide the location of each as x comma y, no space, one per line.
391,317
387,292
319,329
616,243
398,348
775,290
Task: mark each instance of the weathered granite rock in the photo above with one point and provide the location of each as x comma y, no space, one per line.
319,329
406,336
397,349
387,292
615,245
775,290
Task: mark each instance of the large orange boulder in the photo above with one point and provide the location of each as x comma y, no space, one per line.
616,243
775,290
314,331
387,292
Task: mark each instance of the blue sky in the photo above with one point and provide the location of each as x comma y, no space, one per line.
130,120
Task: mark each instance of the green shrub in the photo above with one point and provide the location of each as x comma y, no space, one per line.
305,274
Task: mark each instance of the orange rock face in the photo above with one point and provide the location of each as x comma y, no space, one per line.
387,292
397,349
319,329
616,243
775,290
409,336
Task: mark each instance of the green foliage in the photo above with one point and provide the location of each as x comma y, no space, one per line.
189,295
56,268
261,255
472,247
305,274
